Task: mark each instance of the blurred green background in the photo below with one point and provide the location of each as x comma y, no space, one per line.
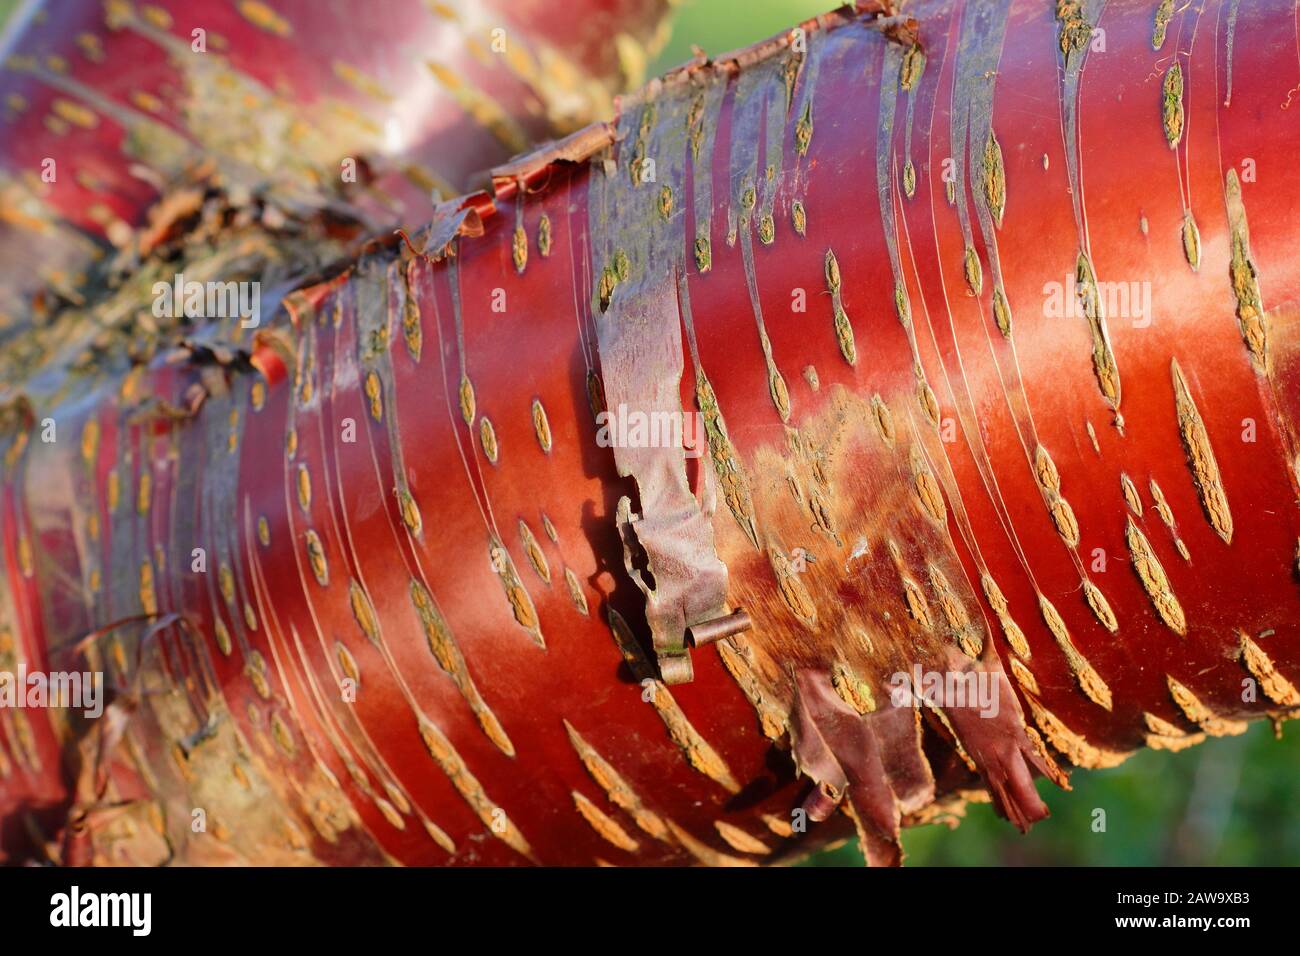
719,26
1230,801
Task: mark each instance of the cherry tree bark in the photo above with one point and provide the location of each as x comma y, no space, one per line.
979,321
107,104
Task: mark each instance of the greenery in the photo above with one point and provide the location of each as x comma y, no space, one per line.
1228,802
719,26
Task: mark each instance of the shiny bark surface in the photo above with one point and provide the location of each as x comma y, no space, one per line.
895,264
419,96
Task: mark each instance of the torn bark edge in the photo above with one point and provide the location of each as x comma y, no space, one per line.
530,172
880,769
679,587
671,628
879,15
686,586
708,632
841,751
457,217
1000,746
527,173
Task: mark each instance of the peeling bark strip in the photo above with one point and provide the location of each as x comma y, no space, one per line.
840,752
388,478
640,342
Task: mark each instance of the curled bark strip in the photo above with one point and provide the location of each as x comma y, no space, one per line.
832,746
451,219
531,168
707,632
639,339
1000,748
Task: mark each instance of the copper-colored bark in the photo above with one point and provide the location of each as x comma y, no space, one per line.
943,465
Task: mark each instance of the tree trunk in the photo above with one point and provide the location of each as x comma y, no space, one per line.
981,475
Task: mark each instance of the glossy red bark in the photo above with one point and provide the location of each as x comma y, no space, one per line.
534,738
125,96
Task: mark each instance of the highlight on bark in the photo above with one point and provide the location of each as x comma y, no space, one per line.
355,111
836,436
